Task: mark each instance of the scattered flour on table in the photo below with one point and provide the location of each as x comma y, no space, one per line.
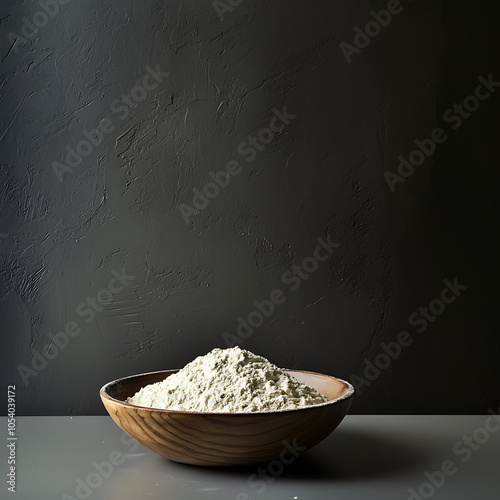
228,380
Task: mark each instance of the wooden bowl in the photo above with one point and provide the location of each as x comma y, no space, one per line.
227,439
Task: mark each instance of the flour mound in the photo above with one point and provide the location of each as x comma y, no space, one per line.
228,380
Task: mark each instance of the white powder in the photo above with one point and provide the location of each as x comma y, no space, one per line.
228,380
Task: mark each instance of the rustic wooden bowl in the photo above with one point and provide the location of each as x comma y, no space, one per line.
226,439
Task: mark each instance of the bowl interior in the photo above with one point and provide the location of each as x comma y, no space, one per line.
333,388
124,388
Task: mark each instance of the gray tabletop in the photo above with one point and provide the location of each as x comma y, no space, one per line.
367,457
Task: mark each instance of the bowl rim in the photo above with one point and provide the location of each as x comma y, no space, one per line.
347,394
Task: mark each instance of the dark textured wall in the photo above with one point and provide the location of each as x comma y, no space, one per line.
66,235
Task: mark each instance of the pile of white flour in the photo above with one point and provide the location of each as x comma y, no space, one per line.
228,380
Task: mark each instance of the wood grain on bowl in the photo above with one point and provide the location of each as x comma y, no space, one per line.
226,439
